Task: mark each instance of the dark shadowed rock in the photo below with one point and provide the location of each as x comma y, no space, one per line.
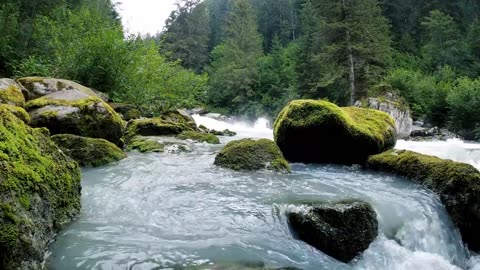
341,230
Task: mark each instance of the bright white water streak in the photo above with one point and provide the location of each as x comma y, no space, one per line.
154,211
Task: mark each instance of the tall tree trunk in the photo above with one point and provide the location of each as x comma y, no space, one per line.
351,60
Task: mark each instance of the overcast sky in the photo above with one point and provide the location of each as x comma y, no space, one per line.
145,16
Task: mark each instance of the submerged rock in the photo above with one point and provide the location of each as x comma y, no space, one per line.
74,112
145,145
315,131
39,192
199,137
396,107
11,93
233,266
89,151
250,154
40,86
341,230
457,184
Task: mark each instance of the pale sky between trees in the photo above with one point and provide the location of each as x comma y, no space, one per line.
145,16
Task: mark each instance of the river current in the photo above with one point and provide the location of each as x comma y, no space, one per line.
173,210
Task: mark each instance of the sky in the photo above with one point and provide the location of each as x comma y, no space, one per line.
144,16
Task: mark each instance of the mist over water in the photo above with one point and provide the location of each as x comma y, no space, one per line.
161,210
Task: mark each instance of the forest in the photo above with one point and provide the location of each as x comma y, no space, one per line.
250,57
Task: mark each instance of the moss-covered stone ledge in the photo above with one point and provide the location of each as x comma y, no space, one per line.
457,184
89,151
250,154
19,112
145,145
74,112
199,137
316,131
39,192
11,93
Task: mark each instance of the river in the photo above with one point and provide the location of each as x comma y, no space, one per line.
168,211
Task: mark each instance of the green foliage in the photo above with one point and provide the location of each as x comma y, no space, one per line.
234,72
464,104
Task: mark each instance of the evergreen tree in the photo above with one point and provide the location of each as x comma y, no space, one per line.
350,47
234,72
187,35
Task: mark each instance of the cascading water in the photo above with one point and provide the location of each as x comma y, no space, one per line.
161,210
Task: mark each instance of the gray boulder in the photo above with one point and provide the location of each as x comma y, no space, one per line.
39,86
396,108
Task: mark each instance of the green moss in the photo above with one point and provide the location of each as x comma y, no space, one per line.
145,145
89,151
132,114
199,137
154,127
457,184
12,95
249,154
95,118
34,170
17,111
319,131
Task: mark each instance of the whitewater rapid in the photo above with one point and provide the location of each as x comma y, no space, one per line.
167,211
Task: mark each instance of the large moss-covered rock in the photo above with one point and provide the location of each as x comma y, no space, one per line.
341,230
40,86
315,131
74,112
39,192
199,137
89,151
457,184
250,154
11,93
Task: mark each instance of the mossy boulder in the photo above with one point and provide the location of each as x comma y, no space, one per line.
89,151
127,111
199,137
39,192
160,126
11,93
74,112
341,230
37,87
145,145
250,154
315,131
457,184
19,112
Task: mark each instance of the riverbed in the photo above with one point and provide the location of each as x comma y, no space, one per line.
173,210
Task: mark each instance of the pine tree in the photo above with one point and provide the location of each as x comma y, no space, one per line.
233,72
350,47
187,35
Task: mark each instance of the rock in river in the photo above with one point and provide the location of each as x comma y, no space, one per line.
341,230
250,154
39,192
315,131
457,184
89,151
74,112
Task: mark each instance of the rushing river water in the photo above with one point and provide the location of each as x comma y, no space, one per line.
161,211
